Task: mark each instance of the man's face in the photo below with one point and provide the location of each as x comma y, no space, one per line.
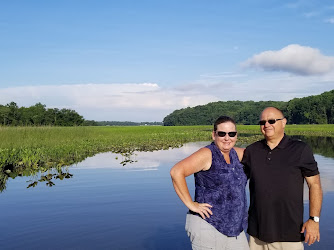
275,130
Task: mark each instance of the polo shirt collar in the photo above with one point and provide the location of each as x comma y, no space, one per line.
282,144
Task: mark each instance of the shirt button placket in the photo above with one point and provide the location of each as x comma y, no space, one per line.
269,156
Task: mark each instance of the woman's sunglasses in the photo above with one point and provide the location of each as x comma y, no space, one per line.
271,121
222,133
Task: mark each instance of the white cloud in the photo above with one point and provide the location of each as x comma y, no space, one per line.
150,102
311,14
120,102
297,59
222,75
330,20
142,160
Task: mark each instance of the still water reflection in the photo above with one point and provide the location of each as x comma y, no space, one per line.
105,205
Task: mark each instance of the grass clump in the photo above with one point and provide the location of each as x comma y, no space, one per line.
45,147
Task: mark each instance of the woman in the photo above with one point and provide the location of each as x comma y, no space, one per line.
218,216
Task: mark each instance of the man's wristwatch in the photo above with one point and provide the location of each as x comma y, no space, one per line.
315,218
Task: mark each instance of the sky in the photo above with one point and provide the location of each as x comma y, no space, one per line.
139,60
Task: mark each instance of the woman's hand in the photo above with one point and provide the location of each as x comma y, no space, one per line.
203,209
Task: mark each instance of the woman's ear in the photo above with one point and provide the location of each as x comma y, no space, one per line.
213,135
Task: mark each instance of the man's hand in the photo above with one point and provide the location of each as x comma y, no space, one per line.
312,231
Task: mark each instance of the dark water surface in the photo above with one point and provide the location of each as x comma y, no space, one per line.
109,206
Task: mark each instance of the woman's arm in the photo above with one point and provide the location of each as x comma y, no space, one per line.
200,160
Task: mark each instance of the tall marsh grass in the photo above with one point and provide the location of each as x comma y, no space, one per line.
54,146
45,147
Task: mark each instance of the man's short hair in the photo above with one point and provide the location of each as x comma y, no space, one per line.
273,108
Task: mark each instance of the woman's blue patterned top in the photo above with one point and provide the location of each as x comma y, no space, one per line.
223,187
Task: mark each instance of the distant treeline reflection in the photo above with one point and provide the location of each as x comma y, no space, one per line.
320,145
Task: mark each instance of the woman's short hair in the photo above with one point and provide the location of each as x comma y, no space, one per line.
222,119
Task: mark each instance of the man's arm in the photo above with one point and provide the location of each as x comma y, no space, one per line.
245,162
315,196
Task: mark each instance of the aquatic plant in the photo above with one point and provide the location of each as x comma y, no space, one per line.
41,148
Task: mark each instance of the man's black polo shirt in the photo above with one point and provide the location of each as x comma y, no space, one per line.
276,188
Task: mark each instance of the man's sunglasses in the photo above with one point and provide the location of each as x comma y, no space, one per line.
270,121
222,133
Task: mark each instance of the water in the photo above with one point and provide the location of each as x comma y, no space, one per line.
109,206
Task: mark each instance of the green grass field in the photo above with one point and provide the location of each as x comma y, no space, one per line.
45,147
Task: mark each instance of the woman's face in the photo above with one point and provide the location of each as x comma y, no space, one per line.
225,143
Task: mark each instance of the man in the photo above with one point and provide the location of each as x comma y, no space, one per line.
277,167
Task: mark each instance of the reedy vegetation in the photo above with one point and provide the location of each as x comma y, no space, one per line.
45,147
28,151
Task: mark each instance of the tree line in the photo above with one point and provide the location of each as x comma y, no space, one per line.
317,109
38,115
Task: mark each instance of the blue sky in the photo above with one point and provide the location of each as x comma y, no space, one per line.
140,60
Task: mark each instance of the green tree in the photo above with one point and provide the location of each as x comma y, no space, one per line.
4,113
13,114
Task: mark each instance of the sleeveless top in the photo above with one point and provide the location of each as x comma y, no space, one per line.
223,187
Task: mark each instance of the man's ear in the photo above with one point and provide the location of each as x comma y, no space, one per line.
284,121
